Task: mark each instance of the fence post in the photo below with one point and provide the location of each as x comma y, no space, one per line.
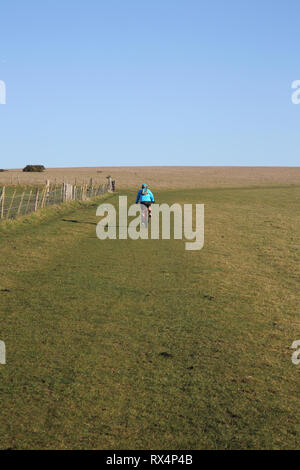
11,203
43,197
67,192
83,195
109,182
54,192
47,192
36,203
2,199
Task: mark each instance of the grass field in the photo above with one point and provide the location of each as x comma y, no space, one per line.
142,345
162,177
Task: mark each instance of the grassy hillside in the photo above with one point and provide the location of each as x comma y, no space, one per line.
141,344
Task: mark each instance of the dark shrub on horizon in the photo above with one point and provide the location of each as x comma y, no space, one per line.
38,168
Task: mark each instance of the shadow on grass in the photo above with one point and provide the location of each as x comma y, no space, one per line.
78,222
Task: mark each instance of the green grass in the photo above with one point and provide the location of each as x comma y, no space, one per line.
140,344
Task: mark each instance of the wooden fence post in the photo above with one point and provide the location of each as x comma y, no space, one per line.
36,203
109,183
11,203
91,187
67,192
46,199
2,200
54,192
45,193
43,197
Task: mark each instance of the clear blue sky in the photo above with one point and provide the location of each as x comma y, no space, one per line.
149,82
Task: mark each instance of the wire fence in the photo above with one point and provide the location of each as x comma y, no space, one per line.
16,201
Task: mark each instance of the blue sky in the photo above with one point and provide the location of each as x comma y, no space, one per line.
149,82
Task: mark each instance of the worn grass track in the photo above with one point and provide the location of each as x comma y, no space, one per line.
141,344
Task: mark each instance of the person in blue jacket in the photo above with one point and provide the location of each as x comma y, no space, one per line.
145,197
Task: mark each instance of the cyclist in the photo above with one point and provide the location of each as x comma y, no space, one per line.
145,197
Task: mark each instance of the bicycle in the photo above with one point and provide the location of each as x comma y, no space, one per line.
145,214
